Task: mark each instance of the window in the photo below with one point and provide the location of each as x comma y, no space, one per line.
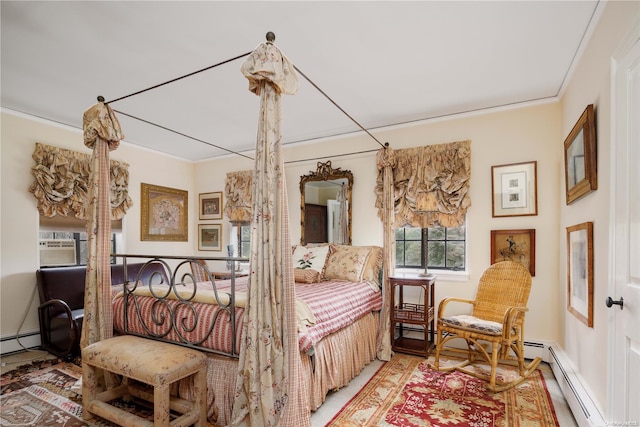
244,243
80,239
446,247
241,239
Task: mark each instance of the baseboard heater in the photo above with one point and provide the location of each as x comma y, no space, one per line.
577,396
10,344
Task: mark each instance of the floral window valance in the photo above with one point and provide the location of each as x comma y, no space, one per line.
61,179
237,196
430,185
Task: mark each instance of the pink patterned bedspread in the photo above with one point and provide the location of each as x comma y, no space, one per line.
334,305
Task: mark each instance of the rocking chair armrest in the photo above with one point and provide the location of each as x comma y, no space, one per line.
446,301
510,317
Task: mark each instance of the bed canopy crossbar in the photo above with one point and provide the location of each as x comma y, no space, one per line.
270,36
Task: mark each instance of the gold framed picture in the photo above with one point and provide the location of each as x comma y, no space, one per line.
210,205
514,189
164,215
580,162
209,237
514,245
580,272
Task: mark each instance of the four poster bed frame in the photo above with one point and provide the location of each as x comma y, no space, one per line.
208,317
335,341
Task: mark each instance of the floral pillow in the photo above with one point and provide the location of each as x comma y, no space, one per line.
315,258
347,263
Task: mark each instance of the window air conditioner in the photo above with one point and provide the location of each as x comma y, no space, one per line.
56,253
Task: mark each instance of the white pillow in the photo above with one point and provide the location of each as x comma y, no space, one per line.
310,258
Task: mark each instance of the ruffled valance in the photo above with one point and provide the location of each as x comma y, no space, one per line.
430,185
237,195
61,180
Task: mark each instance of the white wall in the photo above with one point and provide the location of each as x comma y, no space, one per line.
20,218
501,137
590,84
529,133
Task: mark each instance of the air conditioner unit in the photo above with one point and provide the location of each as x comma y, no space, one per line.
56,253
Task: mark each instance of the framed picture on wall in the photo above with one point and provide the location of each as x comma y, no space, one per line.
514,245
580,272
514,189
164,214
209,237
210,205
580,163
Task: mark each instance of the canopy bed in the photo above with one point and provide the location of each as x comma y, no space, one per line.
264,367
338,301
268,380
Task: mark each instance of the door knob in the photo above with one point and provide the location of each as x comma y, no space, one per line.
611,302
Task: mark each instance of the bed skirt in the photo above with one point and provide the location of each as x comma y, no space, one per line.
338,358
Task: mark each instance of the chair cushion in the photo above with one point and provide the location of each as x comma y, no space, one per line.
471,323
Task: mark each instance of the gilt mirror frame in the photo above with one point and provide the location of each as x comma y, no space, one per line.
325,172
580,162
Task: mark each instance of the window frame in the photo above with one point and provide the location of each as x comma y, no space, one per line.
240,241
424,240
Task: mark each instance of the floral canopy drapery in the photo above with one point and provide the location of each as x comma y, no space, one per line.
268,390
386,161
102,133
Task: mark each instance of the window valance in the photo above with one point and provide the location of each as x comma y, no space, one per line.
61,180
237,189
430,185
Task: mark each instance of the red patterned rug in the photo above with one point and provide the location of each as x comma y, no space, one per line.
406,392
47,393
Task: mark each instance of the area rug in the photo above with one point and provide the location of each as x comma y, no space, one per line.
407,392
47,393
42,394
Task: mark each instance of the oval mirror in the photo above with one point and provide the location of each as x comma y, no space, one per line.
325,205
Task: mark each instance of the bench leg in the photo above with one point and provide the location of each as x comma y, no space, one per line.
200,396
89,388
161,408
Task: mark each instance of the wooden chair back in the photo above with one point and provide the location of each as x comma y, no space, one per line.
503,285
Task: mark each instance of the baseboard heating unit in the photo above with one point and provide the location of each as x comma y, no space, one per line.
12,344
577,396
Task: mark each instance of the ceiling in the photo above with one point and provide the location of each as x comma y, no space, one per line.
384,63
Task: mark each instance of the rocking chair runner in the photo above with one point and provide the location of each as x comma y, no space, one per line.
495,327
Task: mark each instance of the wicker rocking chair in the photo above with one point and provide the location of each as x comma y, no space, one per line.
495,327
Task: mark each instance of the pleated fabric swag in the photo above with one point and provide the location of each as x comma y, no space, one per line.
61,183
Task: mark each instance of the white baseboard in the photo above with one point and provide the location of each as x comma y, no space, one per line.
10,344
533,349
584,409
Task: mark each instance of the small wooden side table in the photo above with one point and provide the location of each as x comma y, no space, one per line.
413,314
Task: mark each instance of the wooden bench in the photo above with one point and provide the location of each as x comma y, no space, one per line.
145,361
